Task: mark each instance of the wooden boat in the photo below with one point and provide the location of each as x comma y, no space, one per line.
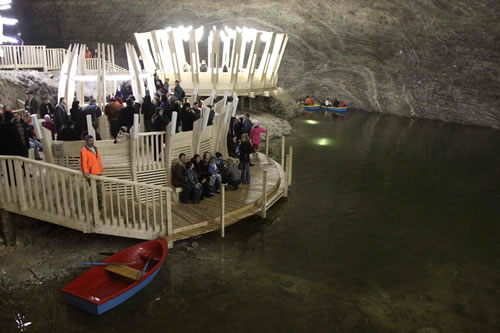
110,283
334,109
313,107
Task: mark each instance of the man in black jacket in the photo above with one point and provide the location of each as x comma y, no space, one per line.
127,115
31,105
11,142
60,114
45,108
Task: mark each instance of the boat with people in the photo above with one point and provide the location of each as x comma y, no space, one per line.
313,107
340,109
117,278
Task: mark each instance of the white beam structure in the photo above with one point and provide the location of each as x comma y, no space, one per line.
241,60
76,71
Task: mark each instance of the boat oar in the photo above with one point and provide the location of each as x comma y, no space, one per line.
105,263
147,264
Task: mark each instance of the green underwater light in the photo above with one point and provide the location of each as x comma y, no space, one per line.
323,142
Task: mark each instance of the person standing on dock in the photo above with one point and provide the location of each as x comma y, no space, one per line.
91,164
255,136
245,150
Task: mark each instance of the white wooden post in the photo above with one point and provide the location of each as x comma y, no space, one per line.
95,204
195,95
36,125
222,209
90,127
134,134
19,180
286,177
170,228
264,195
44,58
267,143
283,151
212,97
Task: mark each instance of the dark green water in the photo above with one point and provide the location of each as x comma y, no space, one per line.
392,225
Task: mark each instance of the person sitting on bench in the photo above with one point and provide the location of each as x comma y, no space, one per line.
192,188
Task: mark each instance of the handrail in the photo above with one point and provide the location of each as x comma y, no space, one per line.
39,56
151,133
74,172
91,204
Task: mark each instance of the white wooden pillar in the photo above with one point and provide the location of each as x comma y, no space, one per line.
90,127
264,195
170,132
283,151
222,209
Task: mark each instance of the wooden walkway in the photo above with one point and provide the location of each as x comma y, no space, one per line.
191,220
145,211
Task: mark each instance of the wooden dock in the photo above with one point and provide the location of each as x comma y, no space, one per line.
63,196
138,200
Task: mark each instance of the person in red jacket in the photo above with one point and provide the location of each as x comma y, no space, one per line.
255,136
309,101
91,164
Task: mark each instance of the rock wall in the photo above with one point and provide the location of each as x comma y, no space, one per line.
431,59
15,84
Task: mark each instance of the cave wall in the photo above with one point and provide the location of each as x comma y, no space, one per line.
431,59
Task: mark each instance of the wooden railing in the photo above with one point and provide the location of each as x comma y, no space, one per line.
55,58
41,57
23,57
150,151
63,196
92,65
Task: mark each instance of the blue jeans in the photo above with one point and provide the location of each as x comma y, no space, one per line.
37,146
245,173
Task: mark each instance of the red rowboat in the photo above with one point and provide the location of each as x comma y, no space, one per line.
105,286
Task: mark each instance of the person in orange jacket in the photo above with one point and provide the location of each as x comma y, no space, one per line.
91,164
88,53
309,101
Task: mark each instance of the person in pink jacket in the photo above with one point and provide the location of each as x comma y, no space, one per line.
255,136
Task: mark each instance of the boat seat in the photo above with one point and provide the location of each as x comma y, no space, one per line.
125,271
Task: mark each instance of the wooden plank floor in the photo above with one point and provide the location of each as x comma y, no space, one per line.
190,219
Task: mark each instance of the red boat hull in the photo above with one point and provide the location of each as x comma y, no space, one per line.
98,290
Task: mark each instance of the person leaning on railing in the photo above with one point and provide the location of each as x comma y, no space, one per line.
91,164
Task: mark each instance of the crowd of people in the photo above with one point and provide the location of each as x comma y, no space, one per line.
327,102
201,176
17,134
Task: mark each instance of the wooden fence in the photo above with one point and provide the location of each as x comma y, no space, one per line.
63,196
41,57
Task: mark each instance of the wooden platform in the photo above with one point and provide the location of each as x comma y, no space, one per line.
63,196
191,220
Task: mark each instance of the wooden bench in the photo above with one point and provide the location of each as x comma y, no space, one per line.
125,271
176,192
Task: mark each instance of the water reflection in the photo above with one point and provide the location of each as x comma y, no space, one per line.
391,227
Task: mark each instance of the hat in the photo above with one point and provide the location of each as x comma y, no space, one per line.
256,123
46,117
156,94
